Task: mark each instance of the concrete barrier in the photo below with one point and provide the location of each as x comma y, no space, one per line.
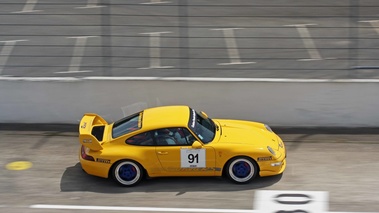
278,102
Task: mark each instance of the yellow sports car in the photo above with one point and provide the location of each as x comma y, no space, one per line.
178,141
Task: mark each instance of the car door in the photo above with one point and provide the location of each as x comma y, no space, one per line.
178,157
143,151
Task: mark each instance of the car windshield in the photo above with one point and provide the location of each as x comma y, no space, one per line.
127,125
202,126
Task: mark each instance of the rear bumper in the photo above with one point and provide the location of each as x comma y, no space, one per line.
95,168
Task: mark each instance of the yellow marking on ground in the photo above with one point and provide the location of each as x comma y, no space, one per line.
19,165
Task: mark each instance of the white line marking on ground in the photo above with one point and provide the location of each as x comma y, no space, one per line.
29,7
236,63
155,51
90,4
6,51
156,2
73,71
40,79
101,78
310,59
374,24
150,209
231,44
155,67
307,40
77,55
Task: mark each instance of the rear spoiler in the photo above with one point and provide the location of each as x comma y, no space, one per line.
91,131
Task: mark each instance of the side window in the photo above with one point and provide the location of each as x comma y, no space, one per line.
127,125
173,137
189,137
143,139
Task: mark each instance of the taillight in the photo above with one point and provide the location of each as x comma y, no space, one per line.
85,156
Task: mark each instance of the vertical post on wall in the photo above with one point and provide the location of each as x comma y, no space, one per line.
183,38
353,37
106,38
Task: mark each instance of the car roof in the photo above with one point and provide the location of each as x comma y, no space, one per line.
165,116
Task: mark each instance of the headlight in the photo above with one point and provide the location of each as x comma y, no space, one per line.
271,150
268,128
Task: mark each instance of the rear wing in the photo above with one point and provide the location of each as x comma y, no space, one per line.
91,131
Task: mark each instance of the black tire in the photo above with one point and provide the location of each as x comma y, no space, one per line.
127,173
241,170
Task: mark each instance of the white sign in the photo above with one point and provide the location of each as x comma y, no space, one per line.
291,201
192,158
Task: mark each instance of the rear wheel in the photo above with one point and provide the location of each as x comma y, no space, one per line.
127,173
241,170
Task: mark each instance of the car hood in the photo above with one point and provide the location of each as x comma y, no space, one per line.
246,132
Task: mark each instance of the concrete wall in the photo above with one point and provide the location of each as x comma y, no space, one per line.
278,102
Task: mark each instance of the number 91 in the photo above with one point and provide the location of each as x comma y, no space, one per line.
193,158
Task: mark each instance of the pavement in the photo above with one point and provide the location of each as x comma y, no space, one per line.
338,169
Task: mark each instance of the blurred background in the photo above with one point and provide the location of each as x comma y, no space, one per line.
190,38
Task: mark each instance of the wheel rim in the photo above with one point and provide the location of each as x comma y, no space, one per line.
241,170
127,173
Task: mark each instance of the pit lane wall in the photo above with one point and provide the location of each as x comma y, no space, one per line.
278,102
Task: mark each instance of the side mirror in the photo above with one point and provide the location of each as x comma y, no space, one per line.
197,145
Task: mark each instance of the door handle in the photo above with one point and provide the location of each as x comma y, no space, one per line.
162,153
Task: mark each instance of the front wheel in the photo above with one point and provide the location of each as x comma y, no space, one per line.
127,173
241,170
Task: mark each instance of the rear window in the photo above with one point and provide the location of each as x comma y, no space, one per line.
127,125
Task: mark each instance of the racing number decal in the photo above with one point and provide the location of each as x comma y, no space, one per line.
192,158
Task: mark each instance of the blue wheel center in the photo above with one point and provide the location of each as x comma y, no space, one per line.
241,169
127,172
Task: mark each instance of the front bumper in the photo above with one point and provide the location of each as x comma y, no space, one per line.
275,166
270,170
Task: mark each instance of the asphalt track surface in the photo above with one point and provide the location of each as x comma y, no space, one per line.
343,163
197,38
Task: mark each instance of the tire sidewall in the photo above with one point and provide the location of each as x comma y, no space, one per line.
134,181
232,162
